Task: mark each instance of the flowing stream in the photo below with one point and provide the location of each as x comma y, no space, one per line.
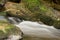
36,31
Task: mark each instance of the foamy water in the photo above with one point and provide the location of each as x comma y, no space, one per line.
14,37
38,30
34,29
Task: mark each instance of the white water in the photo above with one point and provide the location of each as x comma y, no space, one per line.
14,37
35,29
38,30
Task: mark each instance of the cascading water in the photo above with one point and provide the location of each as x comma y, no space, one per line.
14,20
39,30
35,29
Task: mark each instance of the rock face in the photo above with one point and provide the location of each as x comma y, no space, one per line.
35,10
9,31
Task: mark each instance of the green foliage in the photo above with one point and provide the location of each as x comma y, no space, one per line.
43,8
13,30
2,13
32,4
8,29
35,5
40,11
6,25
2,34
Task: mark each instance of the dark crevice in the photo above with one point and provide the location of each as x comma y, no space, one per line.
56,1
57,9
15,1
2,5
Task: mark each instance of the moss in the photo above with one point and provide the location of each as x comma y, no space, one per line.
35,5
45,19
35,10
12,30
31,4
2,13
57,24
7,29
2,34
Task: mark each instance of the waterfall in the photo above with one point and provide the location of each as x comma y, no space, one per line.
14,20
39,30
35,29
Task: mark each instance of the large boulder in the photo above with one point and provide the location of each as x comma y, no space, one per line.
34,10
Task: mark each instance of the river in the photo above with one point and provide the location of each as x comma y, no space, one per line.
35,31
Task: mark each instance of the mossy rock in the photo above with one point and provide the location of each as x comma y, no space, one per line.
7,29
57,24
34,10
